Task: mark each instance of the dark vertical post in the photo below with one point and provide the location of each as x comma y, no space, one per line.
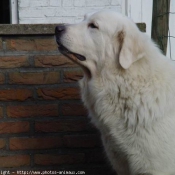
160,23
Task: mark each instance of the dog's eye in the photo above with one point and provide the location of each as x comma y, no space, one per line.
93,26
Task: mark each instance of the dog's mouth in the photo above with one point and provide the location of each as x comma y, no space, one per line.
67,52
72,56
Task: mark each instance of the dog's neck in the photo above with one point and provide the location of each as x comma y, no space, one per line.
119,83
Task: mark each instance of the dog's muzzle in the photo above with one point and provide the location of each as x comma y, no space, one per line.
59,31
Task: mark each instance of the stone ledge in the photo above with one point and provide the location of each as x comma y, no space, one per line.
38,29
27,29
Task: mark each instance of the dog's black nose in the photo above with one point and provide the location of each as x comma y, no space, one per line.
60,29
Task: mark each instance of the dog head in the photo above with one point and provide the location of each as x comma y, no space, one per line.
102,38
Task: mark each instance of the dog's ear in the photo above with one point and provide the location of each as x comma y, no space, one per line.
130,48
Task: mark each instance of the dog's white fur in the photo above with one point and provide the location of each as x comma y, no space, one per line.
129,92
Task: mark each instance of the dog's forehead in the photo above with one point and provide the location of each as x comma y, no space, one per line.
107,16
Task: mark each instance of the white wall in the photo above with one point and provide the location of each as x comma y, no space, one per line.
62,11
72,11
141,11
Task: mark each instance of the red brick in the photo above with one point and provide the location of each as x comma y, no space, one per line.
20,44
2,144
35,143
63,125
2,78
14,161
46,44
72,76
31,44
14,127
53,60
95,157
73,110
33,111
34,78
59,93
15,94
49,159
1,47
13,61
1,111
85,141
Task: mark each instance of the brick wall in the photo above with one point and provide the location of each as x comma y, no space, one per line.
62,11
43,125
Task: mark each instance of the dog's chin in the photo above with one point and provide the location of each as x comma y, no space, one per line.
77,58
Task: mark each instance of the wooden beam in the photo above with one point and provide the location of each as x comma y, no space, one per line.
160,23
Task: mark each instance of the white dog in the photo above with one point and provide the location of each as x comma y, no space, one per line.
128,89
